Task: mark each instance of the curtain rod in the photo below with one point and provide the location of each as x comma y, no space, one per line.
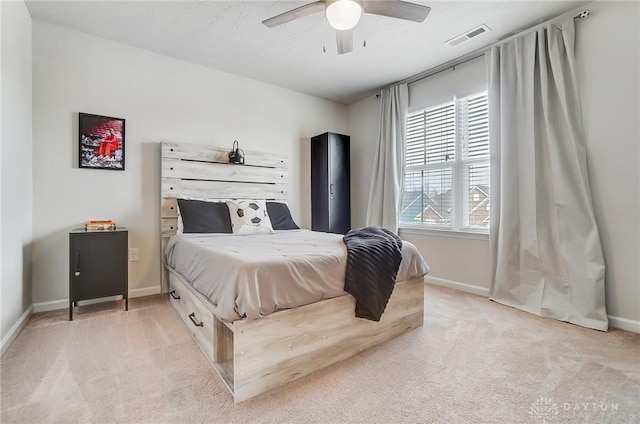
481,51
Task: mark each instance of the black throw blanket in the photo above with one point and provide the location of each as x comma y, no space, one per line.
373,258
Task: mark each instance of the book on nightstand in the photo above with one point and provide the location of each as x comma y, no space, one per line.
104,225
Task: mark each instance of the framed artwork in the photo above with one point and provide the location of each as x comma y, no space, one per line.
101,142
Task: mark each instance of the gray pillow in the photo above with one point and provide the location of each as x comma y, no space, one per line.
204,217
281,216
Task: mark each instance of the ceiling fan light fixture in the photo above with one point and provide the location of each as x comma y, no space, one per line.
343,15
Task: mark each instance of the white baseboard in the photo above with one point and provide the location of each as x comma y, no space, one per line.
144,291
15,330
469,288
64,303
624,324
614,321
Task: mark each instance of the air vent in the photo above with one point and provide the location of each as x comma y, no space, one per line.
468,35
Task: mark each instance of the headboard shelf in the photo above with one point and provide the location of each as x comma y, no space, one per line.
245,164
191,152
215,171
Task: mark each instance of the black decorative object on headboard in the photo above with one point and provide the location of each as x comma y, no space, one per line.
236,155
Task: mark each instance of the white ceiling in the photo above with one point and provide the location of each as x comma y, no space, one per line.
229,36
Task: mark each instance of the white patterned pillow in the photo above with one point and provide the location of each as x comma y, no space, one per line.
249,217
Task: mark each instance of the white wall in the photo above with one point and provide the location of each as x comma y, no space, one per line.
364,119
15,164
607,52
162,99
608,58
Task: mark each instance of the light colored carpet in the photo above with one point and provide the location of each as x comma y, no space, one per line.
474,361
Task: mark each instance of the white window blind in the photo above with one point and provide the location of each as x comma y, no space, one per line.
447,166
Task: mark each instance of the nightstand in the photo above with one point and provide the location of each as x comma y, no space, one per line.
98,265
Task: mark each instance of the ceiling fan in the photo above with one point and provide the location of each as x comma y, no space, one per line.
343,15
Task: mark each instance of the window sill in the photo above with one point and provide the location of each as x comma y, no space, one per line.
444,232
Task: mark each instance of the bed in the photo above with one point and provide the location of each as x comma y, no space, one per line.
256,350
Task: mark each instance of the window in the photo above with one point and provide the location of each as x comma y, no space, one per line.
447,166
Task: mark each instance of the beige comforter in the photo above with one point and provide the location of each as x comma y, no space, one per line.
249,276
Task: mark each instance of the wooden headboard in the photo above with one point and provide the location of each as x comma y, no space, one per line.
205,172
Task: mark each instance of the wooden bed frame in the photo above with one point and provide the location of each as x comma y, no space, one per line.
253,356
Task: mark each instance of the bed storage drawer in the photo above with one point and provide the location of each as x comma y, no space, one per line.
177,297
197,318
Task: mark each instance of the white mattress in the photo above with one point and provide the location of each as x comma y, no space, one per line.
249,276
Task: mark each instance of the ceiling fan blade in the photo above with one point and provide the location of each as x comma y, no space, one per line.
296,13
397,9
345,41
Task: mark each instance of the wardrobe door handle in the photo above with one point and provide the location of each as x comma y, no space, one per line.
192,317
173,294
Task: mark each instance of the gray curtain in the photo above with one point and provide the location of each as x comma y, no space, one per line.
546,252
387,180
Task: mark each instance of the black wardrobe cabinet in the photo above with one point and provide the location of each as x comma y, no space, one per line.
330,183
98,265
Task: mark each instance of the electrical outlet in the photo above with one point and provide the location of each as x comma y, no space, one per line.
134,254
